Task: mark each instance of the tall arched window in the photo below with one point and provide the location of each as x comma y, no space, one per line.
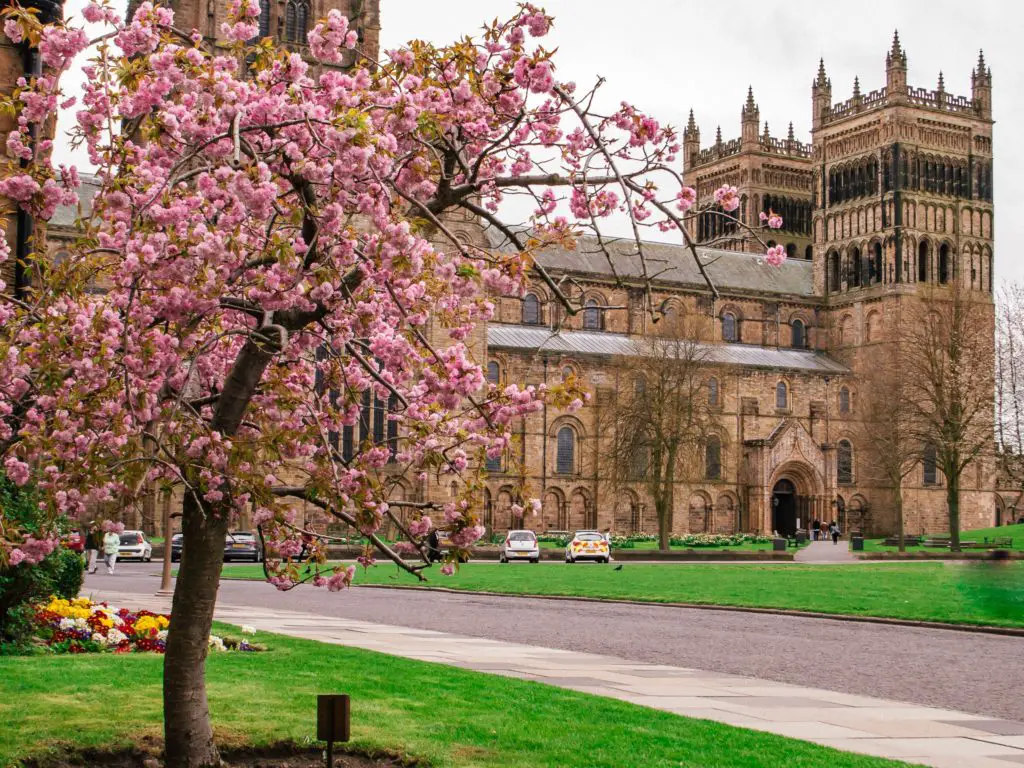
781,396
565,456
834,273
713,391
844,400
809,252
531,310
713,458
730,328
592,316
790,250
844,462
855,267
799,334
264,18
493,465
493,373
875,267
302,22
929,463
944,265
922,262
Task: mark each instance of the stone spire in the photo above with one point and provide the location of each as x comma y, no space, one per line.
691,143
767,134
942,83
750,116
981,87
856,87
822,80
691,124
821,95
718,135
896,70
791,136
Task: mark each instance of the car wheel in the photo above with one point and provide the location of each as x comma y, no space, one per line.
148,558
535,560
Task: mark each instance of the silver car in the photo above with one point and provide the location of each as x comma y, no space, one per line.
134,546
520,545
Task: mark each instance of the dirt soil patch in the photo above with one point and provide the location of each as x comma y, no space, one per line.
282,756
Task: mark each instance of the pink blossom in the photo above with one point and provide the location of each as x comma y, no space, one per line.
420,527
772,219
728,198
686,198
13,31
447,569
775,255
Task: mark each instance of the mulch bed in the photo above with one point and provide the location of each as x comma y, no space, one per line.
282,756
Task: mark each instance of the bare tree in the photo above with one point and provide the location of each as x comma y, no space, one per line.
949,383
661,418
1010,386
890,436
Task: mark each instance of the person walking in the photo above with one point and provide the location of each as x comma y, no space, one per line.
93,544
111,541
816,529
834,530
607,535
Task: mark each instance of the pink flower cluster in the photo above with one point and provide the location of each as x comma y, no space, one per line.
772,219
728,198
775,255
32,551
326,41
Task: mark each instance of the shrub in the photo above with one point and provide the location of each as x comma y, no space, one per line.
60,573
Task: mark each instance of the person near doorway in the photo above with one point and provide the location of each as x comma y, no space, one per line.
816,529
833,530
111,541
607,534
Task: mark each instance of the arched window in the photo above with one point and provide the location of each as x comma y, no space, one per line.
713,458
493,373
875,265
929,463
290,22
565,457
567,373
944,270
844,400
781,396
531,310
791,250
639,386
713,391
809,252
855,268
922,262
799,334
592,316
834,273
730,328
296,21
302,22
844,462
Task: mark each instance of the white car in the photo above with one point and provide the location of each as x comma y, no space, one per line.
587,545
135,546
520,545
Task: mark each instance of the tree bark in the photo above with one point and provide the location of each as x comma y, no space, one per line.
953,503
188,733
900,533
662,508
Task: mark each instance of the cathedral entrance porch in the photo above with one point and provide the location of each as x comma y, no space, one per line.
784,508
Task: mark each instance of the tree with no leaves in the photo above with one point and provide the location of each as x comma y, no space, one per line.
1010,386
948,377
661,418
891,442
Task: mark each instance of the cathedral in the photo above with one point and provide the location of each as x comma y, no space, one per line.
891,198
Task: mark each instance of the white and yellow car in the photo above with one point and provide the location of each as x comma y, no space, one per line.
587,545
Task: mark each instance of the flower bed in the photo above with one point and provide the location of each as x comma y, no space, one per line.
81,626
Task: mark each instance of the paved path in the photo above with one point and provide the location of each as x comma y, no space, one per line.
920,735
975,673
825,552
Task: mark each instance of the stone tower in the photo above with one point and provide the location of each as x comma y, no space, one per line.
903,214
771,174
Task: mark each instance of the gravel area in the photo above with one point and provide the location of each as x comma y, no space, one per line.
968,672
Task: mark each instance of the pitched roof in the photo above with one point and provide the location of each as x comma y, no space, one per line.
534,339
67,215
667,263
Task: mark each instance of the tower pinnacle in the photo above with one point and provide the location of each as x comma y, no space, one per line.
856,87
691,124
822,77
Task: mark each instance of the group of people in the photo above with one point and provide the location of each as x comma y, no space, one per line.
824,531
95,541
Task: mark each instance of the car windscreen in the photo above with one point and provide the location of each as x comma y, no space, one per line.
521,536
130,538
589,537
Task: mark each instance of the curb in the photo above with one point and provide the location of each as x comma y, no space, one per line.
975,628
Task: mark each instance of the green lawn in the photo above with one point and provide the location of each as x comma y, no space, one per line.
442,715
1015,532
972,594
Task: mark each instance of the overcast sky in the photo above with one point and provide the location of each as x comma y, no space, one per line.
667,56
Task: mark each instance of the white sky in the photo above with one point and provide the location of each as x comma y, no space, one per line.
667,56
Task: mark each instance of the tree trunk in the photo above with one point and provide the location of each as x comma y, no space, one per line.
664,511
188,733
953,503
900,532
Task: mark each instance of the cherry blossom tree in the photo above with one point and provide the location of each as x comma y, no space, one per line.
275,235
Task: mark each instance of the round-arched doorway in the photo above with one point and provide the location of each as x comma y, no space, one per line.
784,507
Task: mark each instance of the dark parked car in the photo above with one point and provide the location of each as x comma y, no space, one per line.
176,547
243,545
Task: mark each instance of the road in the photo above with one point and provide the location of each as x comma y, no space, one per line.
969,672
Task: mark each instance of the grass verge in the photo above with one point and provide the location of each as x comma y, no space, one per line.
444,715
971,594
1015,532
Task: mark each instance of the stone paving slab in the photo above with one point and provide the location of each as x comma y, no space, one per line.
915,734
